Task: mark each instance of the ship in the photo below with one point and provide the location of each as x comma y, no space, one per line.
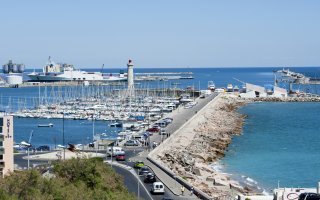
65,72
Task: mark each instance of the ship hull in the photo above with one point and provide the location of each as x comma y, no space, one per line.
48,78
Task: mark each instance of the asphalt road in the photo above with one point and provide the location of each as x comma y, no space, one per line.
181,116
131,182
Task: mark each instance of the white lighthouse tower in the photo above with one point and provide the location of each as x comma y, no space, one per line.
130,75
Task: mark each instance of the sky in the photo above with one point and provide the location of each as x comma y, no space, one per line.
166,33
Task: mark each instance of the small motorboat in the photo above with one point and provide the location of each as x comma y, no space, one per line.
45,125
116,124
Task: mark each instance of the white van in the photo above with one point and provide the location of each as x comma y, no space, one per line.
157,188
116,151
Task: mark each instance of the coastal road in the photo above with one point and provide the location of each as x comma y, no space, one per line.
131,182
181,116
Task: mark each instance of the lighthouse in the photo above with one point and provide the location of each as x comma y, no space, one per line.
130,75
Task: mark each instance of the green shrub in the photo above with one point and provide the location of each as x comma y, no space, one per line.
73,179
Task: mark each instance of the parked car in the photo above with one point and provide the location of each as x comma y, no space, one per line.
138,164
120,157
144,170
163,132
157,188
154,144
153,130
43,148
309,196
114,151
168,118
131,143
150,178
156,126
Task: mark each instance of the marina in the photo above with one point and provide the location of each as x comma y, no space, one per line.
102,114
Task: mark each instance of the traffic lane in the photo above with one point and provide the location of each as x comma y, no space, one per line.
167,191
184,115
167,194
131,182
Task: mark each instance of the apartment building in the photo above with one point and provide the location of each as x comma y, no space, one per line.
6,144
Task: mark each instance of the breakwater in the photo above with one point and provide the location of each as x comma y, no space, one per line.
202,141
288,99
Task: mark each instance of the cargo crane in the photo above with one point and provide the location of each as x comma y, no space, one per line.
102,68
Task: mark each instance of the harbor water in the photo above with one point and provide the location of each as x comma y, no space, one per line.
280,142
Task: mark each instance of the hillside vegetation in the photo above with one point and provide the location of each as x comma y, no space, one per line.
78,179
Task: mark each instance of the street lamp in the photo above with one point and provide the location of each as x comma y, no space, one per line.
63,141
138,185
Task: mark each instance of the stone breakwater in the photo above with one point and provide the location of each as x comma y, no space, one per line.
202,141
288,99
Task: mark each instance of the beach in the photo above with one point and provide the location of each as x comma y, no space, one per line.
201,142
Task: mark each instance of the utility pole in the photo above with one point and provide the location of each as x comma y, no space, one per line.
64,148
138,185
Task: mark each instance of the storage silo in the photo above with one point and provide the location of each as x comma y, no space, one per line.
14,68
21,68
5,69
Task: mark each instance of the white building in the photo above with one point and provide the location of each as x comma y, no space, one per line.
6,144
256,91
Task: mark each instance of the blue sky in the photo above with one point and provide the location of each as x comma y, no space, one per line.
166,33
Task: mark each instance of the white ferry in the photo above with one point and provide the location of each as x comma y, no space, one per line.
65,72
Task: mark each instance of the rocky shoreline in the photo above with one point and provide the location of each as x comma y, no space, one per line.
288,99
204,141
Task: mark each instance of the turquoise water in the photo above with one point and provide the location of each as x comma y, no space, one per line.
280,142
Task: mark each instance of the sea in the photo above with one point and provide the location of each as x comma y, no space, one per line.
279,143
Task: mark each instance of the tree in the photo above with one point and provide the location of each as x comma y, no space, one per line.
72,179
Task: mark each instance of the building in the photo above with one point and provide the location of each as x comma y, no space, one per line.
6,144
253,91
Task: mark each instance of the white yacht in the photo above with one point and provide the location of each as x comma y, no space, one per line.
229,88
211,85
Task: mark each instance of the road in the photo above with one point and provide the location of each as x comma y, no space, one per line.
131,182
181,116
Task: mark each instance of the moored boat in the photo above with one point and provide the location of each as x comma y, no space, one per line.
45,125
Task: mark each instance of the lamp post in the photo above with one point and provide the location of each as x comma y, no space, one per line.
138,185
63,141
28,157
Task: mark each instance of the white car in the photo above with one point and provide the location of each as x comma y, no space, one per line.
157,188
